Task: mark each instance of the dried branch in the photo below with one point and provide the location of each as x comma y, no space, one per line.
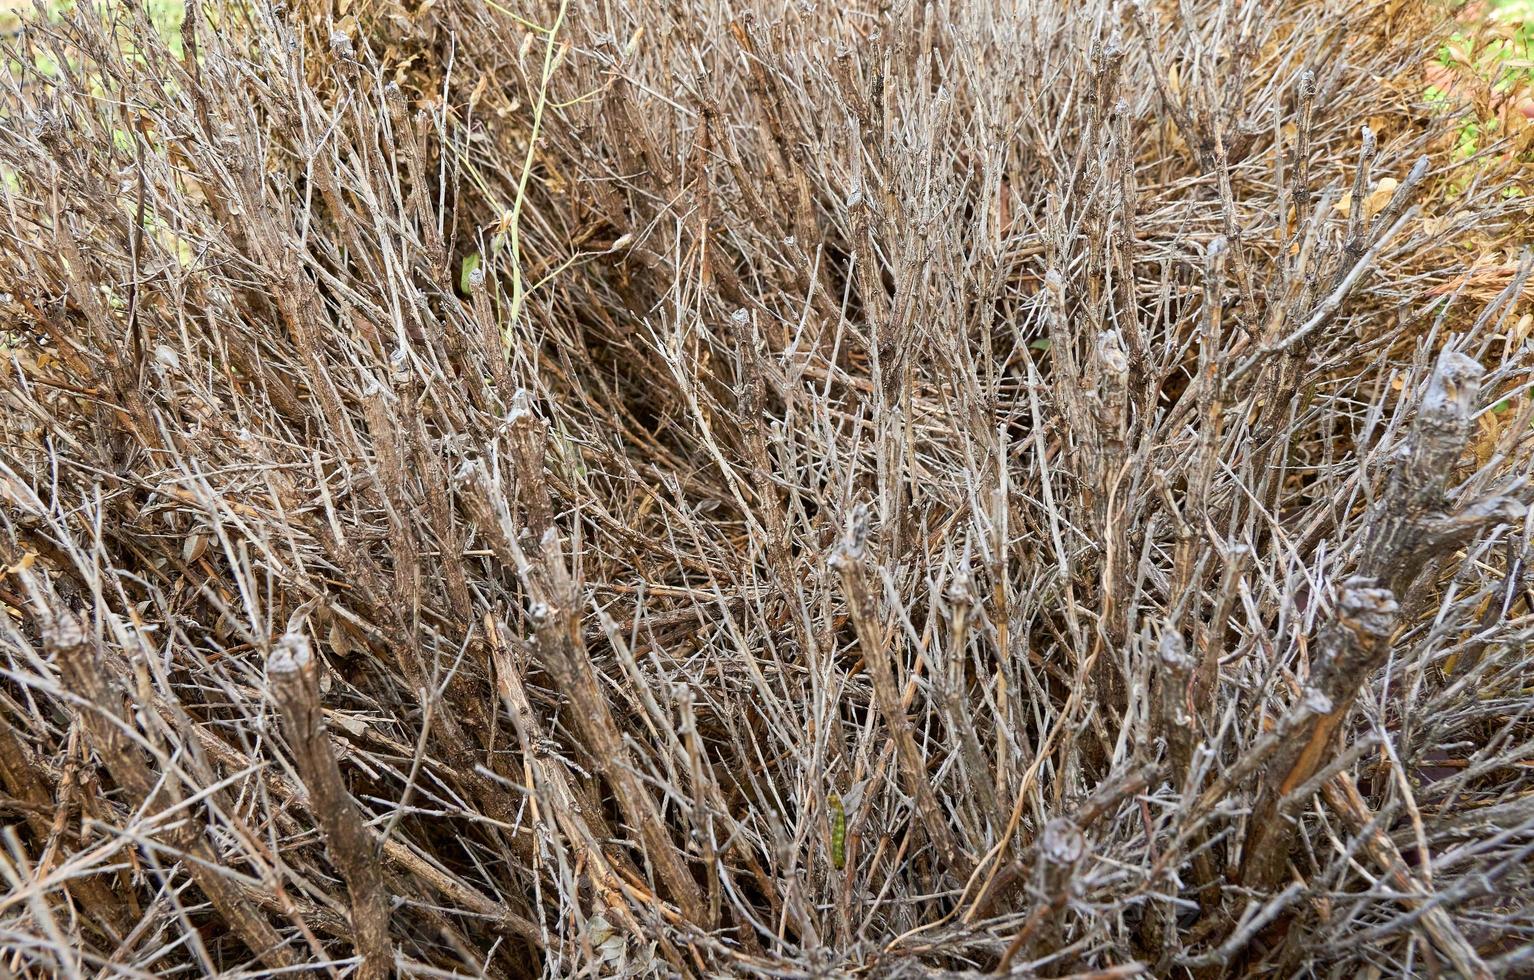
538,354
293,678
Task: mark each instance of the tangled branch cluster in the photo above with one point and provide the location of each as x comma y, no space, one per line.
727,489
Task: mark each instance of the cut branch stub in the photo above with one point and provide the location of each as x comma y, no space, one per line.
1352,648
875,640
1411,524
1061,846
1442,426
294,682
1174,682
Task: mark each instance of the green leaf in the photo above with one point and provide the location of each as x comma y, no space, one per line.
470,263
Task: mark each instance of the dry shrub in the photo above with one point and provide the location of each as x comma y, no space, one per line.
623,488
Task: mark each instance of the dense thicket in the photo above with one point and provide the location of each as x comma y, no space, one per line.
741,489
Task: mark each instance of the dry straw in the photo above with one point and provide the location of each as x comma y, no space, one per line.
707,489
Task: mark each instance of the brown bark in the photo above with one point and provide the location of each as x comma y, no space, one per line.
294,684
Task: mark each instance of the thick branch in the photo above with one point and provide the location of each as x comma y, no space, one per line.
1352,648
294,685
